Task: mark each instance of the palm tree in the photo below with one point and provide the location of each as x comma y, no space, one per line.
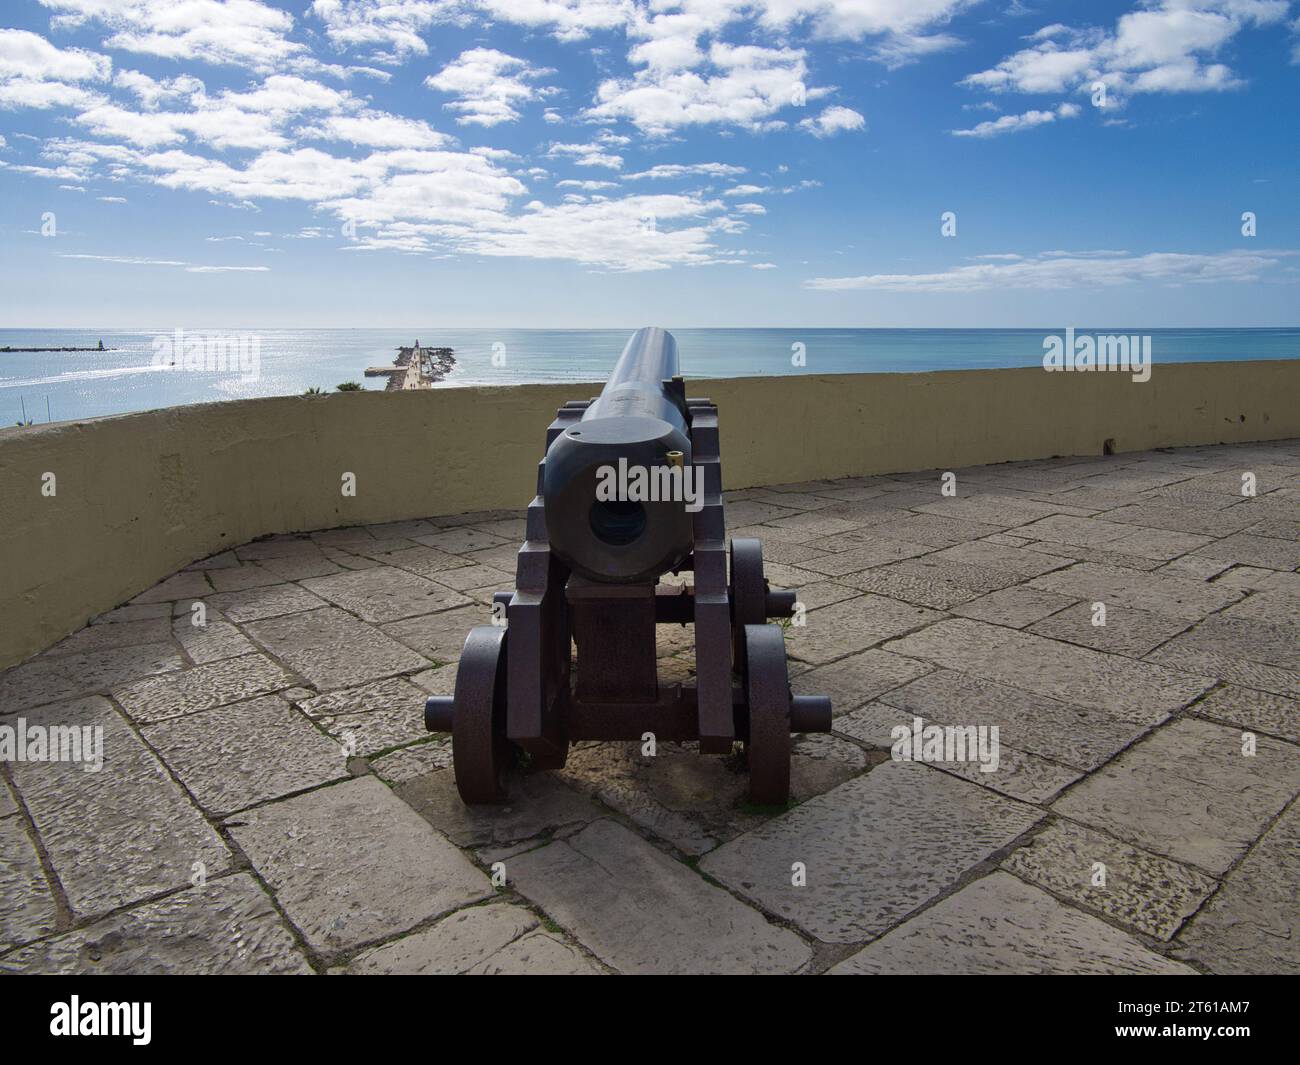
314,391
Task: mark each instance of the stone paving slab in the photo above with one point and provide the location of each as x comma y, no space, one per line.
855,680
385,594
227,927
254,604
27,907
640,911
1187,791
91,823
874,848
456,944
999,925
1046,667
1143,891
7,804
1127,631
1016,607
108,637
352,863
1253,925
844,628
1160,594
201,688
1079,736
245,753
47,680
333,649
211,642
1257,711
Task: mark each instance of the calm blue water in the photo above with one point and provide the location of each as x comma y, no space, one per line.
88,384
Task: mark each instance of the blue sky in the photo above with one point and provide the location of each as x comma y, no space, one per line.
612,162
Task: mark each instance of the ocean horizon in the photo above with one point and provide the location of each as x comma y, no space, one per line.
129,375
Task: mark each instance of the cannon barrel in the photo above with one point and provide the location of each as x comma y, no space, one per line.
637,423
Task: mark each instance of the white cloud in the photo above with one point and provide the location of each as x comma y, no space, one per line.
833,120
395,25
750,208
586,155
746,87
490,86
243,32
995,127
1062,270
377,129
675,170
1163,47
746,190
29,55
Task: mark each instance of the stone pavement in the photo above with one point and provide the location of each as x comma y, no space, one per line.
269,801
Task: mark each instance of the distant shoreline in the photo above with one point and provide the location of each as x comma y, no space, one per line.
15,351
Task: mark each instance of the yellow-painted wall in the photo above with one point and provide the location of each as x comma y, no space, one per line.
140,495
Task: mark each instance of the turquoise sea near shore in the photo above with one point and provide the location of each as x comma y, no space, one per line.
72,385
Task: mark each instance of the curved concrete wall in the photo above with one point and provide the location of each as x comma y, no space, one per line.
138,496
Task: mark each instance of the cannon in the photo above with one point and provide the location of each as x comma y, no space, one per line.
629,490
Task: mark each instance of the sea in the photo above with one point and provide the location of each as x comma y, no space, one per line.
143,369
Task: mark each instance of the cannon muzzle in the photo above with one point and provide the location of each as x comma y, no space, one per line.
619,487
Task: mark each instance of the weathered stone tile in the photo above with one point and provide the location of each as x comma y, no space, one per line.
1187,791
440,637
375,697
211,642
875,553
456,944
140,612
537,954
503,556
511,529
1265,551
783,553
1023,562
1077,736
1046,667
1230,667
402,529
221,560
1260,641
398,767
815,594
1251,925
919,581
476,517
201,688
47,680
1193,567
640,911
258,603
1141,890
228,926
27,909
385,594
352,863
244,576
466,577
333,649
1277,604
1004,511
7,804
874,848
1016,606
835,631
1253,710
752,512
852,681
177,586
297,569
119,835
109,637
1197,519
1281,528
441,680
934,530
1153,592
1127,631
245,753
539,804
1000,925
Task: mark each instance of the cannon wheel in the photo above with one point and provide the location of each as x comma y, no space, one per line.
748,592
767,694
479,748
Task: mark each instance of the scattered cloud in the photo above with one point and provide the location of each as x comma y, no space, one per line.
489,86
1064,270
996,127
834,120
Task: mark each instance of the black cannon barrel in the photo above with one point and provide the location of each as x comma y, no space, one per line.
638,423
